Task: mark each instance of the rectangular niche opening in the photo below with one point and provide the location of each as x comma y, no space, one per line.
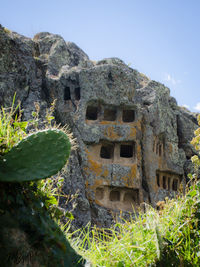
128,115
160,150
169,179
175,185
77,93
164,182
131,197
126,151
107,151
114,195
110,114
158,179
67,94
91,113
99,193
157,149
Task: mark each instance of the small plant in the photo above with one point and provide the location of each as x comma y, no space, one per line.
155,238
7,30
37,156
196,143
12,129
28,207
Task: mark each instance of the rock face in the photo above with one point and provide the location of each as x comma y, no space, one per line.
133,141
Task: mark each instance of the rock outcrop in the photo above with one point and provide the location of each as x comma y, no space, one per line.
133,140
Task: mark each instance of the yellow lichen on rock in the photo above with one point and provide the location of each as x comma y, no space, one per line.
111,133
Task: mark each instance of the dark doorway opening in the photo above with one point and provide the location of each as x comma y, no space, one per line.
158,179
77,93
107,151
67,94
164,182
114,195
169,180
175,185
128,115
126,151
110,114
160,150
91,113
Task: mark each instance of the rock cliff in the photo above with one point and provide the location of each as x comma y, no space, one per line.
133,140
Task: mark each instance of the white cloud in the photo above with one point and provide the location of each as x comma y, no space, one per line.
168,78
197,107
186,106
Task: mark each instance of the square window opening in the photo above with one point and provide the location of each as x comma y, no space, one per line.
107,151
131,197
91,113
114,195
110,114
99,193
126,151
128,115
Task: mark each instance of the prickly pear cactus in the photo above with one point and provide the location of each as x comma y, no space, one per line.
38,156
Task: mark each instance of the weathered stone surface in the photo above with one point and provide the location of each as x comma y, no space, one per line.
56,53
19,72
133,141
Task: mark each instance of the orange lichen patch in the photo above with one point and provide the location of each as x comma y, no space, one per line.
162,163
126,181
110,133
135,124
114,177
131,176
86,171
138,153
98,183
132,133
86,184
105,173
138,125
109,122
98,202
95,167
170,148
133,171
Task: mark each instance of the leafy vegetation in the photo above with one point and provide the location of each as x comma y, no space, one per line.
29,210
12,129
169,237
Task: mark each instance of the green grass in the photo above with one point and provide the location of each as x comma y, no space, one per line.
169,237
12,129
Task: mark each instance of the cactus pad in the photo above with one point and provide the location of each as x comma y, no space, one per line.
38,156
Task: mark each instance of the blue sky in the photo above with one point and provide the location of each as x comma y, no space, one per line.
159,38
